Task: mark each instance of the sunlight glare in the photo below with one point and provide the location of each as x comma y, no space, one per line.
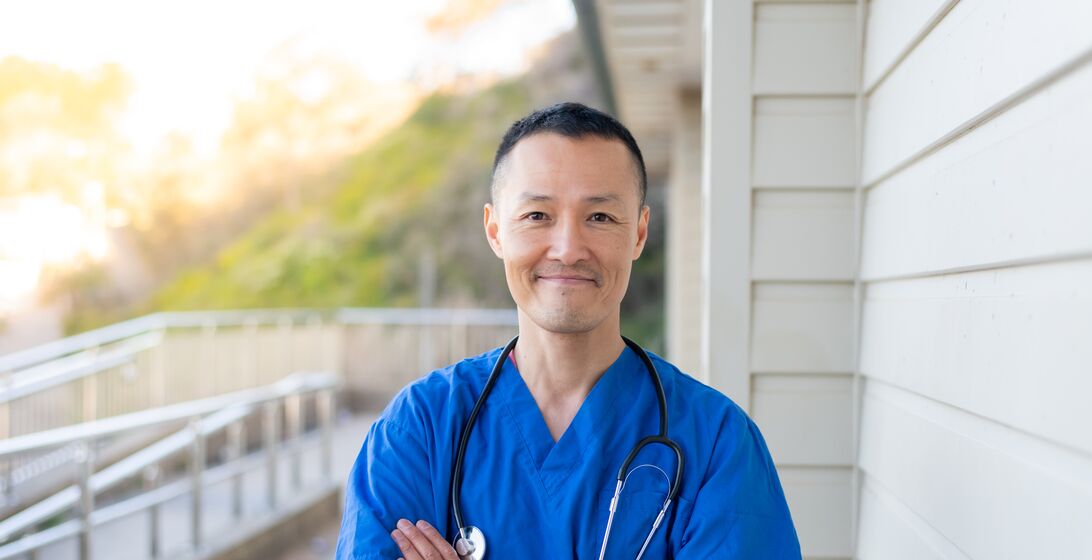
43,230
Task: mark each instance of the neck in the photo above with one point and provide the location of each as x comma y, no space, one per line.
563,367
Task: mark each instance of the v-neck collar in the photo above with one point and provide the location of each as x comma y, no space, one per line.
555,461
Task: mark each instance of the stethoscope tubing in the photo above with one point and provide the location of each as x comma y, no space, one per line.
661,438
460,453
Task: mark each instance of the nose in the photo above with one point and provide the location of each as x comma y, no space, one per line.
568,244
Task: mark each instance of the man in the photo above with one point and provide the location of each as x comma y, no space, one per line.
568,219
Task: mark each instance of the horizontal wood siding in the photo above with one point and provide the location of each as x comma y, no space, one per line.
820,501
802,48
990,490
804,142
976,259
802,328
981,54
806,419
803,235
803,261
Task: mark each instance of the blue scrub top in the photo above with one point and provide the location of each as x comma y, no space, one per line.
534,498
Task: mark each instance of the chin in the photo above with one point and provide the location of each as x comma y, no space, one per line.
566,321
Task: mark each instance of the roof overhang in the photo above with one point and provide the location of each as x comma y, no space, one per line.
645,53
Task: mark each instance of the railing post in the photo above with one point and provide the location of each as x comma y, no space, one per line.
325,402
287,343
314,339
197,469
294,419
84,469
457,343
208,377
151,482
236,441
336,351
159,373
251,351
89,386
270,410
426,357
5,432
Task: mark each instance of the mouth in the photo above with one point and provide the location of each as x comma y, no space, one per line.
568,280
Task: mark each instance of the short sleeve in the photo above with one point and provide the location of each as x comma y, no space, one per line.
740,510
390,480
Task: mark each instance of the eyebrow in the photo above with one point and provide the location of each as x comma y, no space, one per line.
597,198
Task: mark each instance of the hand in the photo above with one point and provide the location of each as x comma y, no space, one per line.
421,542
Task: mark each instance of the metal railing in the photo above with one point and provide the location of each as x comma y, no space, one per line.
204,418
166,358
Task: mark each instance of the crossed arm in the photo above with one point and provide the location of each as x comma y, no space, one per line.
394,466
739,512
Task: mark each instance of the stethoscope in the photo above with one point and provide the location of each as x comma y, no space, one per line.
470,542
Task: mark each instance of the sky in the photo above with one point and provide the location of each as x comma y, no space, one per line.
190,59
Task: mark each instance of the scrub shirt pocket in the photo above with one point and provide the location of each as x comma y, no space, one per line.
637,511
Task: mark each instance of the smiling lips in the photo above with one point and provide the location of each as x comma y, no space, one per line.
567,279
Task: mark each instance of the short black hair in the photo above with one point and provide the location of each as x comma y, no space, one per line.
572,120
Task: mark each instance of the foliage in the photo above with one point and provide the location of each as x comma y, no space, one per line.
359,233
417,191
416,194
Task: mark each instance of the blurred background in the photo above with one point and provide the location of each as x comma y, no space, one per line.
201,156
229,232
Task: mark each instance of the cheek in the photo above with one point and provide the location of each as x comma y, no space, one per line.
620,253
620,265
518,266
521,250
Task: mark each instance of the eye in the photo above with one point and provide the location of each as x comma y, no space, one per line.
535,216
601,217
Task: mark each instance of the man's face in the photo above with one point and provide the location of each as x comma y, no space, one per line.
568,223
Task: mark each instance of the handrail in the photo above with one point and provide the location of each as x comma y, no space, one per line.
74,366
427,316
298,383
206,417
99,337
120,471
146,500
188,319
134,365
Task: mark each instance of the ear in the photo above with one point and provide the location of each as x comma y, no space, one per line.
492,228
642,232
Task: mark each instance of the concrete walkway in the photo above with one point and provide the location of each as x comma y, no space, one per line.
128,538
320,546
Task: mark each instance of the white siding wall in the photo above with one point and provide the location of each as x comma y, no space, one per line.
976,262
799,262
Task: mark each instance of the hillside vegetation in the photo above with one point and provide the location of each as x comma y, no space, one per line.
359,240
360,234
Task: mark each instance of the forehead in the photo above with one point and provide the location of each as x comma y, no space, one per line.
562,165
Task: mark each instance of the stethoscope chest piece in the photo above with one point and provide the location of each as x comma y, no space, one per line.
470,544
